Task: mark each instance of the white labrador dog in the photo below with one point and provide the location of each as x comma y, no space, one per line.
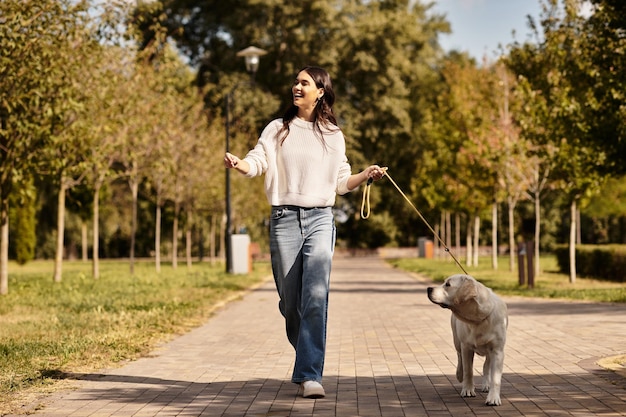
479,323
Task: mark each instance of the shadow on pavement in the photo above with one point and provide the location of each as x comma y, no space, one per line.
538,395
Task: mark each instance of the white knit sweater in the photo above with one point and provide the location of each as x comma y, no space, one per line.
302,171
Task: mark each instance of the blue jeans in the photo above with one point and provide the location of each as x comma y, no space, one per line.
302,242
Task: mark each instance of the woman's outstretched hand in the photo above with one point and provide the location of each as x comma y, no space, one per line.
375,172
231,161
371,173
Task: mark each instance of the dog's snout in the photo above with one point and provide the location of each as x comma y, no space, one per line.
429,290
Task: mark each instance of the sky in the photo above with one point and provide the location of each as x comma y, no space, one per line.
478,26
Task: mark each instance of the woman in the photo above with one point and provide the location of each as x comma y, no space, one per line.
303,158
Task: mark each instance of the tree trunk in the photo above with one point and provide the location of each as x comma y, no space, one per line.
157,239
572,243
175,235
188,239
537,234
494,235
468,243
457,232
476,240
95,261
213,240
579,237
58,259
134,188
448,229
84,239
512,246
4,247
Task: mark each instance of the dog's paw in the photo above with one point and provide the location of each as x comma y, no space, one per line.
493,400
485,388
468,392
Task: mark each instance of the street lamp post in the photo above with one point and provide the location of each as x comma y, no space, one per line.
251,55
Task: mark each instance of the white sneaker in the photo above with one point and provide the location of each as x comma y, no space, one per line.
312,389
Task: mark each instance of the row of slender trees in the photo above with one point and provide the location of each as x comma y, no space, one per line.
82,105
97,94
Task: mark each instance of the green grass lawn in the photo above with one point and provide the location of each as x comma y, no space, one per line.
82,324
549,284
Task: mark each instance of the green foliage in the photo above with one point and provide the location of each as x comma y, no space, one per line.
604,217
384,85
377,231
563,87
41,43
37,40
470,149
84,324
604,49
559,80
23,221
610,201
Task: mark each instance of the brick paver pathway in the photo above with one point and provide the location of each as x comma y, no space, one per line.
389,353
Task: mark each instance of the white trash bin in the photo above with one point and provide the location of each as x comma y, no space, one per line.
240,245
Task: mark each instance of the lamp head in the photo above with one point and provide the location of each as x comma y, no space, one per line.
252,55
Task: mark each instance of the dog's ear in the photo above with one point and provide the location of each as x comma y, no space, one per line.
466,291
484,300
472,301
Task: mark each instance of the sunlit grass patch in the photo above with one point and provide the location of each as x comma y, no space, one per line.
83,324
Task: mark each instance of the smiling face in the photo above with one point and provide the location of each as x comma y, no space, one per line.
305,94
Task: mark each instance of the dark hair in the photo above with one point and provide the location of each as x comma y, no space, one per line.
323,115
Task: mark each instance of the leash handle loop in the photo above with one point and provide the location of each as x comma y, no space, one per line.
365,203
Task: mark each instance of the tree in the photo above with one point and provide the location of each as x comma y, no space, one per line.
470,175
534,121
558,73
137,144
169,158
64,160
36,40
515,170
110,94
383,85
603,51
110,98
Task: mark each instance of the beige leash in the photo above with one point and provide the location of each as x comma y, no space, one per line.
365,212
